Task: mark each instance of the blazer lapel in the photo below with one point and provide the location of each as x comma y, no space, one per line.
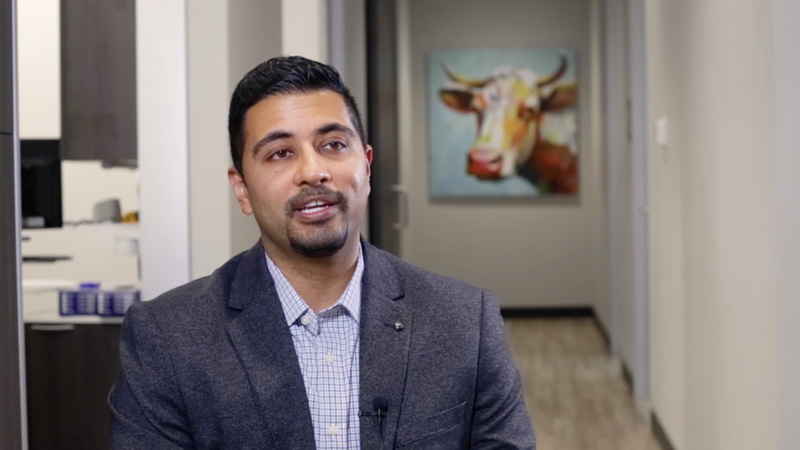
385,335
261,338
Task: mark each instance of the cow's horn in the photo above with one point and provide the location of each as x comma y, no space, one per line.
462,79
544,81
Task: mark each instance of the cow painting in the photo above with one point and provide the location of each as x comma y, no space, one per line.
513,107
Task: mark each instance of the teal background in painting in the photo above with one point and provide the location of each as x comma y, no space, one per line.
453,133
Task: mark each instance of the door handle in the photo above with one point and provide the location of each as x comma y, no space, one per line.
402,221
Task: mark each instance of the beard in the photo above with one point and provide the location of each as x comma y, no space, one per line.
319,239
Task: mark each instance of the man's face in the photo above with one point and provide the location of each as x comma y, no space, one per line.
305,173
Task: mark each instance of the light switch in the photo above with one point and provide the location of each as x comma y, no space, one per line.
662,131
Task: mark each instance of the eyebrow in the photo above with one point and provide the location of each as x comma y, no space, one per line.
274,136
282,134
333,126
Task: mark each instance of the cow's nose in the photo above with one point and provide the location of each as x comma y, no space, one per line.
484,164
482,154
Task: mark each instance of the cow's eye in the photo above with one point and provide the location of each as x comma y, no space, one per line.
523,112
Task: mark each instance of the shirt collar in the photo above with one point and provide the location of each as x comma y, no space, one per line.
294,306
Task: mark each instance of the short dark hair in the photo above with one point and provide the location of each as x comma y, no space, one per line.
283,75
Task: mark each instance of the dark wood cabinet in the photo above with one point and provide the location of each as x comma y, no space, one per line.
98,80
70,369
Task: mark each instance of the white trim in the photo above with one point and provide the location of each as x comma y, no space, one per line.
786,34
336,36
162,132
637,35
616,127
209,93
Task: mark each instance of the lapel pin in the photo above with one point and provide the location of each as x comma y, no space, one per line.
398,326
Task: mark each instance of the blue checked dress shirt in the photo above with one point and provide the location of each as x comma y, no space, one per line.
327,347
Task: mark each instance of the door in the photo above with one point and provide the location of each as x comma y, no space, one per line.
386,197
12,422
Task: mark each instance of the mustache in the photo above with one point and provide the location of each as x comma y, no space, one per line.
321,191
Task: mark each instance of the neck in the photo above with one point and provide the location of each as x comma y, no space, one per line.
319,281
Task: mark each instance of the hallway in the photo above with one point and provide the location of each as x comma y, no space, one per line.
576,395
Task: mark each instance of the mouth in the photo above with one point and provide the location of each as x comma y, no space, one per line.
484,165
315,208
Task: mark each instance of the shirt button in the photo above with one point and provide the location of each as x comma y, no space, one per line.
333,430
305,320
329,358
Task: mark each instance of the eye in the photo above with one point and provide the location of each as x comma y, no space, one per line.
335,146
280,154
525,112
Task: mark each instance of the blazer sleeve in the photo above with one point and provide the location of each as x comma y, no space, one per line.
146,403
500,418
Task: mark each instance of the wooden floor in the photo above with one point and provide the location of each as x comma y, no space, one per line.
575,394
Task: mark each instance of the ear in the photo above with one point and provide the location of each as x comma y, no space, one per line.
458,100
561,97
368,153
240,190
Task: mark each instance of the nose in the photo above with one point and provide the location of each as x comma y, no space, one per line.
484,164
312,169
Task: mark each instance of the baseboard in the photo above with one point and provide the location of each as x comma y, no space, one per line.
659,433
558,313
627,376
603,331
548,313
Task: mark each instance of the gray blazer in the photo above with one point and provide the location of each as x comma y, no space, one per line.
211,365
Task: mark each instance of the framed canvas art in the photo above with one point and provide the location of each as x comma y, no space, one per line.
503,123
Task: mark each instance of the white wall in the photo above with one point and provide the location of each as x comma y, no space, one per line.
162,134
786,35
209,95
305,33
667,184
254,37
531,253
712,202
39,69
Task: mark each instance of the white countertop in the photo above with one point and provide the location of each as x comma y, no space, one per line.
40,304
104,253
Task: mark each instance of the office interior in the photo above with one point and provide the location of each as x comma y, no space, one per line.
678,257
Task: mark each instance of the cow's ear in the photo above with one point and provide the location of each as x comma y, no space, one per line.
562,97
456,99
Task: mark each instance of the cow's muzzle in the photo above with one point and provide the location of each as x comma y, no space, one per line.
484,164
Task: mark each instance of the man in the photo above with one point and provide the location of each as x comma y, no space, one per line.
313,338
